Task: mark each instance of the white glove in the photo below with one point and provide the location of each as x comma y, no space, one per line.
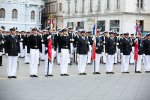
18,54
49,37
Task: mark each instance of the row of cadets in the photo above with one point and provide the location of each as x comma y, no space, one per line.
12,48
46,39
34,48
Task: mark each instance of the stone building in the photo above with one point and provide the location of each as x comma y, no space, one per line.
22,14
109,15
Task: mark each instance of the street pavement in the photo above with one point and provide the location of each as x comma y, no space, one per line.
74,87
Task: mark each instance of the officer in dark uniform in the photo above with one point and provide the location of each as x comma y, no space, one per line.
48,64
99,50
1,46
34,48
82,50
146,48
110,50
64,49
140,54
12,48
126,49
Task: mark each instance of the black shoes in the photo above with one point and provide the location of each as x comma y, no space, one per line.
125,72
82,74
96,73
110,73
49,75
147,71
64,74
33,76
12,77
1,65
138,72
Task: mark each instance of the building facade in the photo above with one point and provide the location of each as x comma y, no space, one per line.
52,13
22,14
109,15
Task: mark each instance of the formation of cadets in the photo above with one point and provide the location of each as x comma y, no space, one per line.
69,47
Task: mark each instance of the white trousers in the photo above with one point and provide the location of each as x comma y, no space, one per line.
104,57
119,56
34,61
89,54
109,63
132,56
64,61
72,50
97,62
125,63
42,55
58,57
139,63
48,65
115,56
21,50
147,63
82,63
27,58
12,65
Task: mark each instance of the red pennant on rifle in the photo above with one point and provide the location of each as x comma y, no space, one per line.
94,51
136,51
50,50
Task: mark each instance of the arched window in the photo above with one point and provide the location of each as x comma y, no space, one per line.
2,13
32,15
14,14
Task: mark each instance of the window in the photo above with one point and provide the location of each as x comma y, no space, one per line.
80,25
108,4
99,6
140,4
118,4
114,25
14,14
82,6
68,7
75,6
60,6
101,25
2,13
91,4
70,24
32,15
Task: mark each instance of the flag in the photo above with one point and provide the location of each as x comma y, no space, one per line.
138,33
136,51
50,50
94,43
